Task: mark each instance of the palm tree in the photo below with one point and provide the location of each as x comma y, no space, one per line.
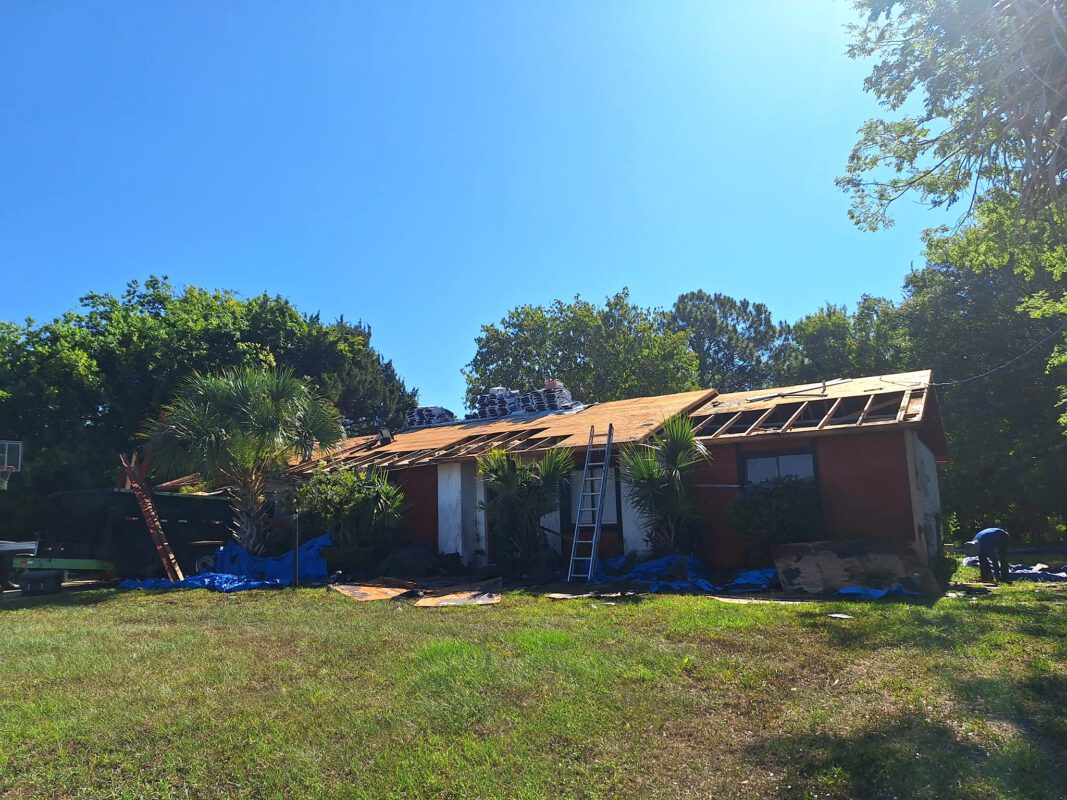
520,492
658,475
241,427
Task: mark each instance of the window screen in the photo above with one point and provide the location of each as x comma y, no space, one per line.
761,469
800,466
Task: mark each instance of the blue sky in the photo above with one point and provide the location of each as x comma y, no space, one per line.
426,166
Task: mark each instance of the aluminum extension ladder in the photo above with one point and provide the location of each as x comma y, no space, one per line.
590,516
151,518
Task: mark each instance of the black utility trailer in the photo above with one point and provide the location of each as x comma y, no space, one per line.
101,532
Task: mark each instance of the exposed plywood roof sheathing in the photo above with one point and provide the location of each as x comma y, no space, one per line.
633,419
842,404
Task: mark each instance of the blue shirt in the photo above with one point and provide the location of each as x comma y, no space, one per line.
991,538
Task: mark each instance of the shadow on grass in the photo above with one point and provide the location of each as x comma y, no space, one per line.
906,756
68,598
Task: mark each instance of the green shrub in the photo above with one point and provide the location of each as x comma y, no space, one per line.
518,494
361,510
659,474
781,511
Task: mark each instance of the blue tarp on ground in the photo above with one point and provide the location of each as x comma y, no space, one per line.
680,574
1024,572
867,593
237,570
754,580
666,574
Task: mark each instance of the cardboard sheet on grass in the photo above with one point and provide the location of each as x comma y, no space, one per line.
481,594
853,567
237,570
377,589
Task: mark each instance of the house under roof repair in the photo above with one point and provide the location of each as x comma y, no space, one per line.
867,446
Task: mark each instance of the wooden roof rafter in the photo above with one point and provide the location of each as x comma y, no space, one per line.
789,423
727,425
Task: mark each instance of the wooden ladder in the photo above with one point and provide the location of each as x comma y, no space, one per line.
155,528
590,516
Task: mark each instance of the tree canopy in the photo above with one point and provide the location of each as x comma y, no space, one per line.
976,100
78,388
239,427
735,341
601,353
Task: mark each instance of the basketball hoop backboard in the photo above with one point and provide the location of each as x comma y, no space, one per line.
11,455
10,460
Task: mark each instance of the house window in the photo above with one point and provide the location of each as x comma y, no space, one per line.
765,468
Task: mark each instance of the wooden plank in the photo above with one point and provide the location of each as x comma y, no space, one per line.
476,594
363,592
903,405
796,415
829,414
866,410
725,427
703,423
762,418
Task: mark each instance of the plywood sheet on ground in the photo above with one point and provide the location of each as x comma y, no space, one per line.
826,567
480,594
375,590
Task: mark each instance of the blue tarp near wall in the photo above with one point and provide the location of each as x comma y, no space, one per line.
1025,572
680,574
237,570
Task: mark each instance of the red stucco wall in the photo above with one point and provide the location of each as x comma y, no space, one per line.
863,481
863,485
420,491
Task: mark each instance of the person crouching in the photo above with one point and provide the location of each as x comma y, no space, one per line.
992,550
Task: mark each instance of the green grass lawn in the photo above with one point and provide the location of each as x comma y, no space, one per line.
307,693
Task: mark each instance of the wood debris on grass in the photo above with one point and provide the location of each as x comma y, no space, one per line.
470,594
377,589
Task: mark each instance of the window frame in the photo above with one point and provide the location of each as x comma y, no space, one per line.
744,455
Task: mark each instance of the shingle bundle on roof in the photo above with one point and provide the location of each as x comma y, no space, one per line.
499,402
429,415
548,399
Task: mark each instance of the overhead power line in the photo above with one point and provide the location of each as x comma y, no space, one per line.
1006,364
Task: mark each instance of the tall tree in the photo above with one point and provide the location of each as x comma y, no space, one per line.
601,353
976,99
832,343
77,389
239,428
735,341
975,94
1008,460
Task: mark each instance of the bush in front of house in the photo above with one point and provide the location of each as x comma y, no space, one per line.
781,511
519,492
361,510
659,474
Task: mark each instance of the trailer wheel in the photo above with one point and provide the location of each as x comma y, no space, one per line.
205,562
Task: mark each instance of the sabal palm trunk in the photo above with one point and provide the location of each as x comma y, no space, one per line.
247,499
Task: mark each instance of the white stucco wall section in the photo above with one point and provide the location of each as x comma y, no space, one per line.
450,508
474,528
461,526
633,526
925,495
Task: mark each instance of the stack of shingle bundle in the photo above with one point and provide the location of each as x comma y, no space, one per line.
499,402
554,397
429,415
